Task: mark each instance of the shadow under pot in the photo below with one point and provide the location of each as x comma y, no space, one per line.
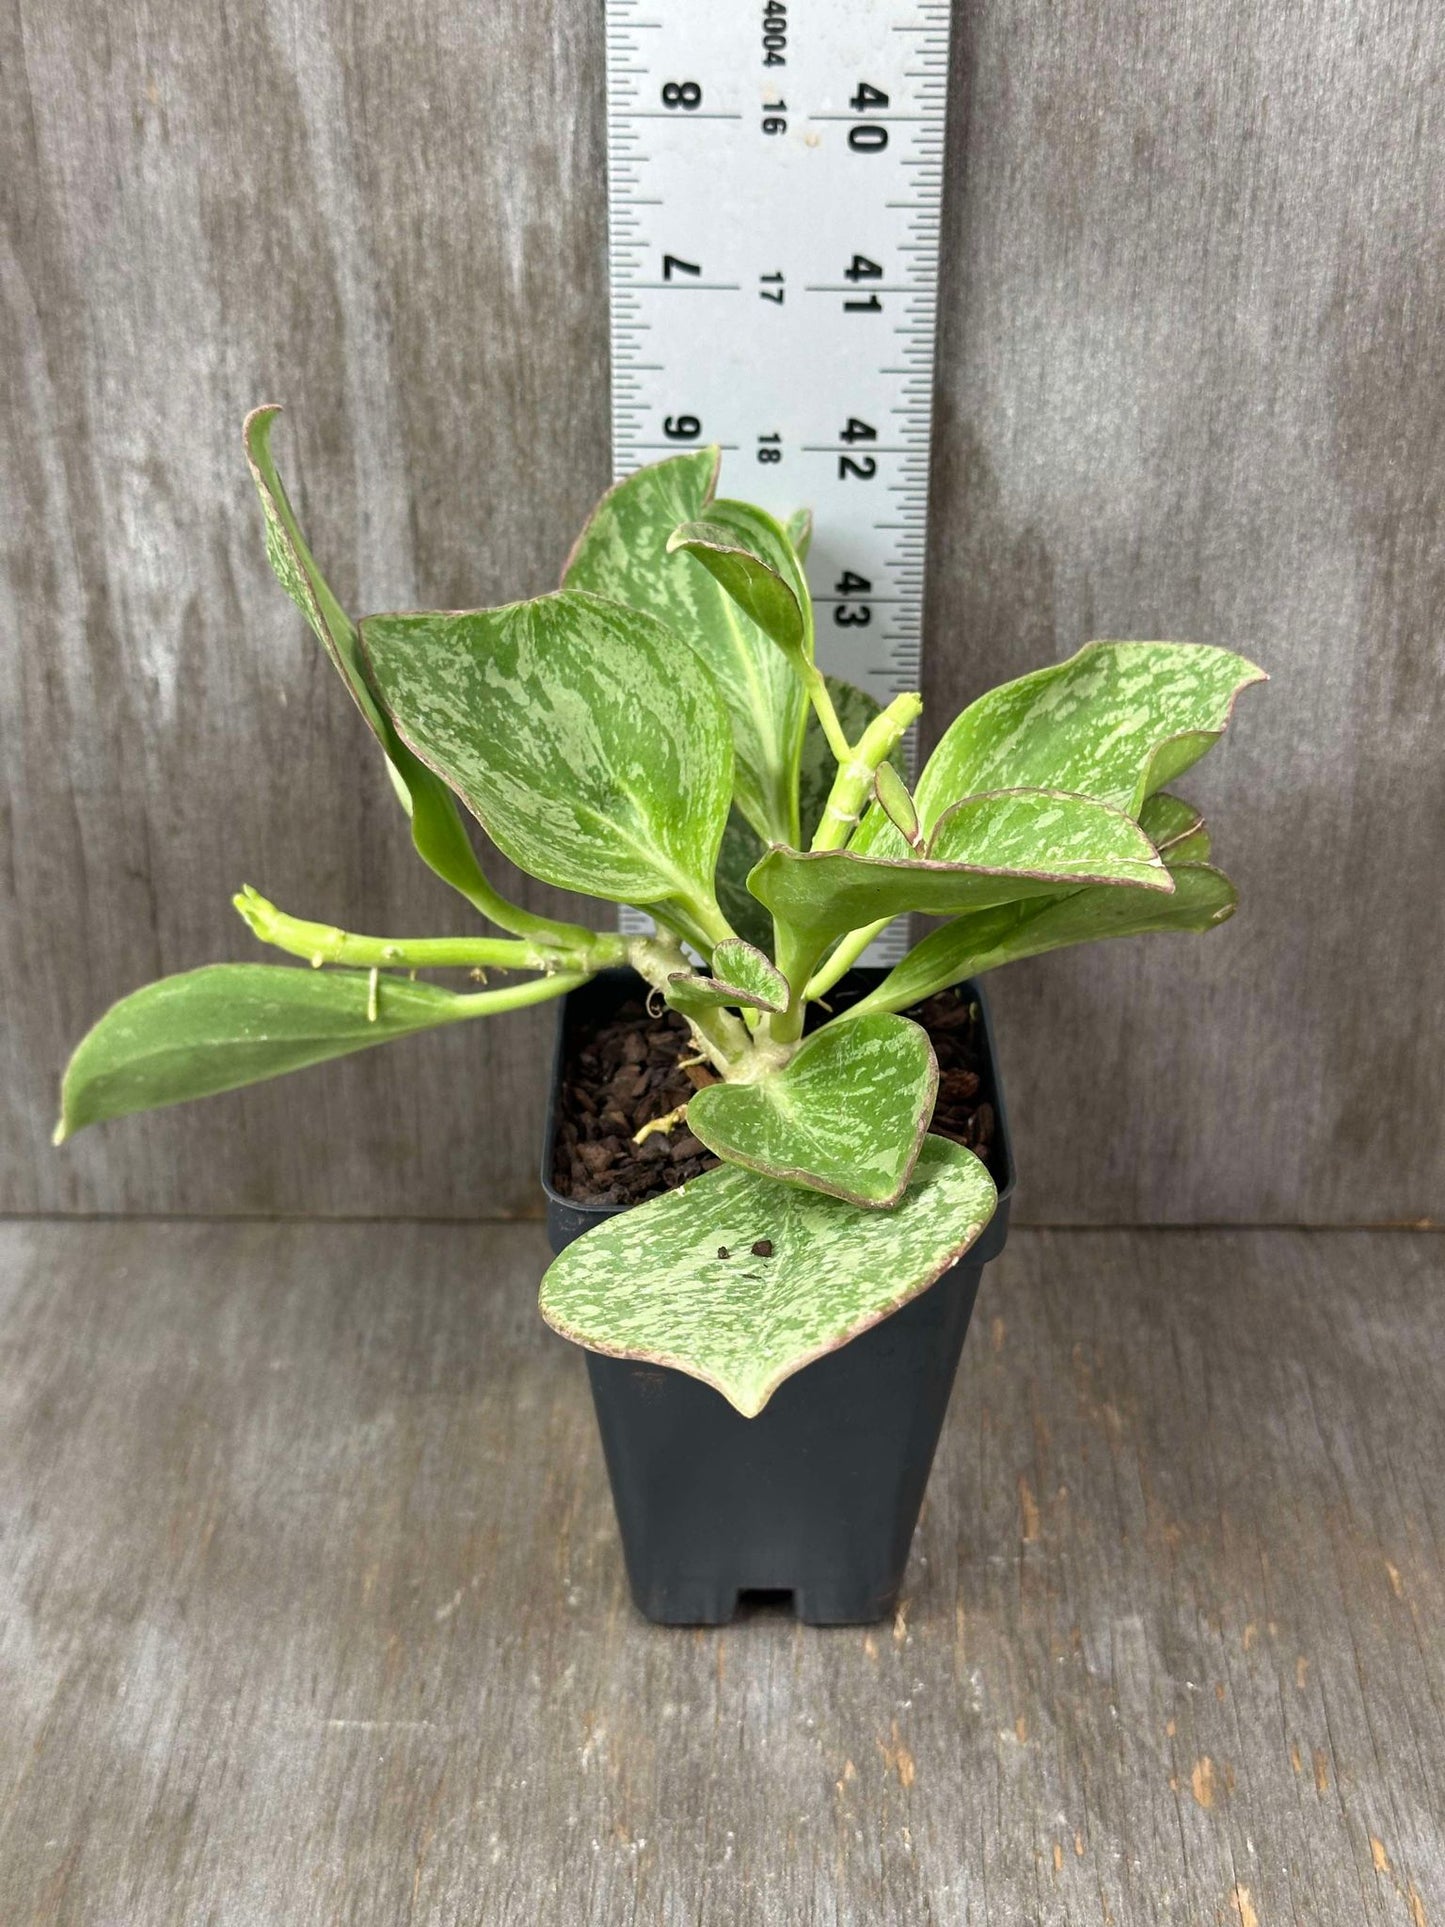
816,1499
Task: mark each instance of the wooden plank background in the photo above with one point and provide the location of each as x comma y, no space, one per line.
1191,384
312,1607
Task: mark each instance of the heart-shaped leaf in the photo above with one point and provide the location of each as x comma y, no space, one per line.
846,1114
1175,828
436,829
653,1284
1116,722
593,749
217,1028
741,975
968,946
622,553
989,849
749,554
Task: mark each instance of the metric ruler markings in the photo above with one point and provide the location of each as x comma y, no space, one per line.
775,176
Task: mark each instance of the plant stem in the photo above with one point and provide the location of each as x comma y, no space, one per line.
816,685
322,943
719,1035
854,781
536,990
849,950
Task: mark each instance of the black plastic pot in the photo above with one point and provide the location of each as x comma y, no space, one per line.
817,1497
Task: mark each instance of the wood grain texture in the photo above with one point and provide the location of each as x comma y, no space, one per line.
312,1607
1190,385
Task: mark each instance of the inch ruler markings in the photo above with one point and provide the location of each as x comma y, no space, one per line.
775,176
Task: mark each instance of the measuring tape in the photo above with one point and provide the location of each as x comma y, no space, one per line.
775,172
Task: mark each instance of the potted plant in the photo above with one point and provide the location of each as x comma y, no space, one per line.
769,1363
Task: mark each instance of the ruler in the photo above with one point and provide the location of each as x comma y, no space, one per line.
775,173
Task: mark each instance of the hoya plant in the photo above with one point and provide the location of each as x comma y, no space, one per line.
658,733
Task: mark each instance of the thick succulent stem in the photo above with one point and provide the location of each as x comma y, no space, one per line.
321,943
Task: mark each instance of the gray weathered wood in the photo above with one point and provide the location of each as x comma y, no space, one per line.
311,1607
1190,383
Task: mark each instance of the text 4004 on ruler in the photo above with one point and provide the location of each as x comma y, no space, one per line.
774,178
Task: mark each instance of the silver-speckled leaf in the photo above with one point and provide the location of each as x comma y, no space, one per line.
845,1115
651,1284
1117,721
436,829
750,556
989,849
741,975
595,752
968,946
1175,828
622,553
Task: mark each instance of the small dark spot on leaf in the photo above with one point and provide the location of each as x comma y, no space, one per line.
763,1248
722,1251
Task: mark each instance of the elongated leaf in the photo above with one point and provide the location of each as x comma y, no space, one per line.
896,803
749,554
595,752
741,975
1175,828
436,829
799,529
652,1284
845,1115
1115,722
622,553
231,1024
989,849
968,946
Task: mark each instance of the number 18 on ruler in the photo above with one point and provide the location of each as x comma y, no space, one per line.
774,181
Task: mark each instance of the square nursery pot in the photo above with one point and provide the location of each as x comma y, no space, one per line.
817,1497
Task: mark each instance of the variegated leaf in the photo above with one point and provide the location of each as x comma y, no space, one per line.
595,752
676,1281
968,946
1115,722
436,829
846,1114
750,556
988,849
799,530
1175,828
622,553
741,975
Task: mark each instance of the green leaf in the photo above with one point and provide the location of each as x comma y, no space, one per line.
989,849
846,1113
1175,828
231,1024
896,803
1115,722
750,555
651,1284
622,553
1202,898
742,846
436,829
594,751
741,975
799,530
